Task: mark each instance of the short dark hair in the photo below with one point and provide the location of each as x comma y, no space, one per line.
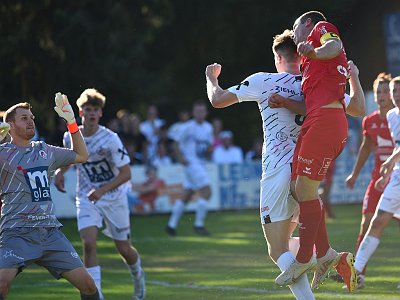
91,97
9,115
284,45
314,15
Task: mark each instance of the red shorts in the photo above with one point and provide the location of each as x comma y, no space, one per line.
322,138
371,198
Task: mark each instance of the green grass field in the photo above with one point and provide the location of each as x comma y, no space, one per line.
231,264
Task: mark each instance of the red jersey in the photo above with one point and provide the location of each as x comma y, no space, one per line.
324,81
378,131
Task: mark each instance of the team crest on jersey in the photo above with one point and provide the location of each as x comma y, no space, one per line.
322,30
281,136
38,182
101,151
43,154
98,171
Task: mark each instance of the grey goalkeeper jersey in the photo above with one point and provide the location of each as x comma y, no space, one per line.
25,174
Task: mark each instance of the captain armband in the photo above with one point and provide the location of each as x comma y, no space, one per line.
327,36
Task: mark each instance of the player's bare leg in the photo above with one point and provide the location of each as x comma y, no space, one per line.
132,260
82,280
6,278
277,235
89,240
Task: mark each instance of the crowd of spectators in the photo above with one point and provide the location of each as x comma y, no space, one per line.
151,141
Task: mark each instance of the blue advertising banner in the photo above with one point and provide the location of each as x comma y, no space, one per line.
392,40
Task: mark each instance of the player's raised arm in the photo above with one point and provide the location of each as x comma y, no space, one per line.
64,110
356,106
219,98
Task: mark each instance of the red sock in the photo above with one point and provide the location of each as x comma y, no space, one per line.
321,241
309,219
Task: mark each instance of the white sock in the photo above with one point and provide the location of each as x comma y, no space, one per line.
135,268
365,251
301,288
95,272
201,212
176,214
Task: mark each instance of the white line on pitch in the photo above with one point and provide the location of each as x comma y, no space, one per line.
254,290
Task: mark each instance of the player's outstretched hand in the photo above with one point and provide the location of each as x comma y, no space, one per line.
213,71
64,109
4,129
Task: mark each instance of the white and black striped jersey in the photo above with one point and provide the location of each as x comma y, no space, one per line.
281,127
106,155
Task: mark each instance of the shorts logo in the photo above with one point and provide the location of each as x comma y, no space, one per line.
98,171
305,160
74,254
325,166
11,254
38,182
267,219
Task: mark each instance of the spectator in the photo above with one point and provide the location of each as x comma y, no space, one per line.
168,142
227,152
113,124
217,128
176,128
150,128
161,158
256,152
137,144
125,125
148,191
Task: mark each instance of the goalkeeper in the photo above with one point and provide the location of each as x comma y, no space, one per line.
29,230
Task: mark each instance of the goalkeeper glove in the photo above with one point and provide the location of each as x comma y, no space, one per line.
4,128
64,110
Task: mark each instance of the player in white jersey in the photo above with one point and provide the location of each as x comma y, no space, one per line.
29,230
389,203
281,128
282,119
193,148
103,182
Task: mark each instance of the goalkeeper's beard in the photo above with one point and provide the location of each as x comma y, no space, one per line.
25,133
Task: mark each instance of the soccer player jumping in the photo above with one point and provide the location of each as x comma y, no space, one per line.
322,138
